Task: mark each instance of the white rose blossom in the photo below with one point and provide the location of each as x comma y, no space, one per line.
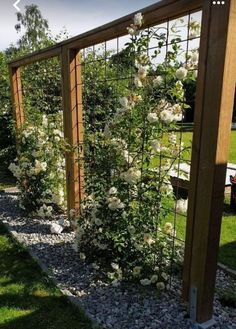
145,282
182,205
138,19
137,82
157,81
113,190
152,117
132,175
181,73
133,30
142,72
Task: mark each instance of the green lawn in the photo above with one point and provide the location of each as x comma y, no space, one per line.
27,298
187,139
227,252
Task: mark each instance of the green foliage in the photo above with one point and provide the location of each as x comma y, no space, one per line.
40,167
28,298
35,27
41,82
130,152
7,140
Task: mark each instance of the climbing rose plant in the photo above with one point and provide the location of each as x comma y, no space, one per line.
128,193
40,166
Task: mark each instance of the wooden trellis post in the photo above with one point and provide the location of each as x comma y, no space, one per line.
16,91
73,123
212,127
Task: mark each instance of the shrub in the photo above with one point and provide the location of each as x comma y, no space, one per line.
128,162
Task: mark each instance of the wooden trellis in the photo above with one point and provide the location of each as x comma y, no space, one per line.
213,113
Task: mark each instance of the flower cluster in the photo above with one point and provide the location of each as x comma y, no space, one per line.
39,168
125,216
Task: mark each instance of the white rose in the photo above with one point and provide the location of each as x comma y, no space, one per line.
137,82
131,176
142,72
82,256
45,120
133,30
115,203
178,117
193,34
182,205
57,139
124,102
154,278
137,270
157,81
115,266
194,56
160,286
138,19
156,145
113,190
148,239
127,156
166,116
152,117
168,228
181,73
145,282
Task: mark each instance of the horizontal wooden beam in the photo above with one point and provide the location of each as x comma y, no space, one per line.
37,56
154,14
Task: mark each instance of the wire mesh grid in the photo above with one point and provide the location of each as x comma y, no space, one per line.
41,149
135,160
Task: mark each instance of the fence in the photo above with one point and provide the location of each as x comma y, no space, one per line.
213,113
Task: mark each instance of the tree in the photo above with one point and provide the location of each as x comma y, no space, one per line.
36,28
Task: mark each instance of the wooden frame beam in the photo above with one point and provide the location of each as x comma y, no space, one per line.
154,14
73,125
213,115
17,99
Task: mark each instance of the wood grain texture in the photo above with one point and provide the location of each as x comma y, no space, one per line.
213,115
72,112
17,99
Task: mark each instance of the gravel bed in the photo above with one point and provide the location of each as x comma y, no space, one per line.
124,307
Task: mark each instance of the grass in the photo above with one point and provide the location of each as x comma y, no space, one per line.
6,180
27,297
227,251
187,139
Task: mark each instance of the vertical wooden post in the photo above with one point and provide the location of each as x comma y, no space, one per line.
17,99
212,127
73,123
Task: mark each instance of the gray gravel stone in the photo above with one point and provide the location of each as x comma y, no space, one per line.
124,307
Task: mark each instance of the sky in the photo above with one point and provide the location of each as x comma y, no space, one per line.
76,15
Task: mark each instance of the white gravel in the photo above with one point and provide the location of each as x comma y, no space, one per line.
124,307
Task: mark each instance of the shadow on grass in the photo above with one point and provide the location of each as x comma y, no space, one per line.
28,298
227,254
42,313
228,211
